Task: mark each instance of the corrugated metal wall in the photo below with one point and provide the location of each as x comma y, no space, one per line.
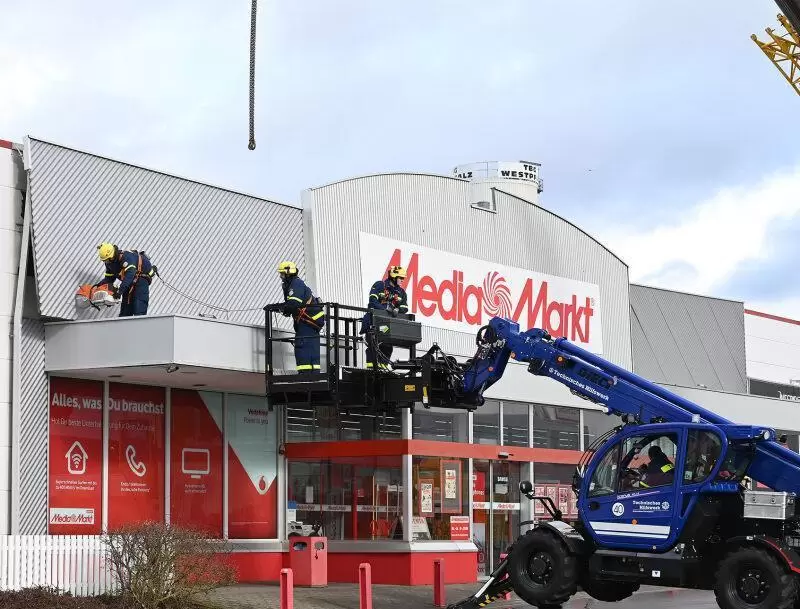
33,431
217,246
688,340
434,211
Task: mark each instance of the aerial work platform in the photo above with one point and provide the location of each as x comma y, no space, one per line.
347,379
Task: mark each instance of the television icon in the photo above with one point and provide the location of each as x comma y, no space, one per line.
196,462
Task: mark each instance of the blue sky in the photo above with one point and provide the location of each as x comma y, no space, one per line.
663,131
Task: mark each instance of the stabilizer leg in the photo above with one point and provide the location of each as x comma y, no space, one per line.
496,586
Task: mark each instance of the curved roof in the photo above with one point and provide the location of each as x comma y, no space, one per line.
388,173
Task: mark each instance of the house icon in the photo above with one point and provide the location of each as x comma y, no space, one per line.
76,459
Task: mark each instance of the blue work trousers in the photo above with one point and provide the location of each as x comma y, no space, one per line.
136,300
306,347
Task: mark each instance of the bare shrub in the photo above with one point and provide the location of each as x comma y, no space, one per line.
157,566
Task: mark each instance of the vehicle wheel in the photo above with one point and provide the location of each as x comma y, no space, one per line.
541,569
608,591
751,578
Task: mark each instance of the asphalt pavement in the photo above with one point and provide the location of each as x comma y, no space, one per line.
345,596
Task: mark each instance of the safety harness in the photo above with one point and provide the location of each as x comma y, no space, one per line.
139,274
315,321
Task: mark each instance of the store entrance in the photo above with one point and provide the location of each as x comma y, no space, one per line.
495,510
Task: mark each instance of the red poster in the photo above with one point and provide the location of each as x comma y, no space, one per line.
135,455
252,469
478,486
563,499
75,457
539,509
196,461
459,528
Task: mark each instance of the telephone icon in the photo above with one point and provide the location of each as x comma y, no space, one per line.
137,467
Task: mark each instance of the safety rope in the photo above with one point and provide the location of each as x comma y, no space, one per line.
252,144
205,304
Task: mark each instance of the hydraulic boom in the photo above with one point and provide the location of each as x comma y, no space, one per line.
619,391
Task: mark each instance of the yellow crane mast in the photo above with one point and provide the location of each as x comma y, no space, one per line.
783,50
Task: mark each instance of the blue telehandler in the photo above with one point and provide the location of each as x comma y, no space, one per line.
663,499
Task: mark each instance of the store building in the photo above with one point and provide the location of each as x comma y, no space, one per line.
163,417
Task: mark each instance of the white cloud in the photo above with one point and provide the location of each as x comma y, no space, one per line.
706,244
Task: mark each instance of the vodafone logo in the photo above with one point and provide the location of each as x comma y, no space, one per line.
458,293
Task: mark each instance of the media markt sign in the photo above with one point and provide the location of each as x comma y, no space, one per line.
459,293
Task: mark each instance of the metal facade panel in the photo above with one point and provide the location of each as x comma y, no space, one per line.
645,362
692,340
216,246
33,433
435,211
659,335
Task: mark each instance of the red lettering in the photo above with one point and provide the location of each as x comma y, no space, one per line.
476,293
453,301
450,314
425,291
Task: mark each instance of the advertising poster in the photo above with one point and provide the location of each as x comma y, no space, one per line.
426,497
196,460
135,454
451,486
563,499
459,528
252,469
75,457
538,506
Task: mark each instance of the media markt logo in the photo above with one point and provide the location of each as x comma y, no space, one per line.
83,516
559,306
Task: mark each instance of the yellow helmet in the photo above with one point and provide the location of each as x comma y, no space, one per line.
397,272
287,267
106,251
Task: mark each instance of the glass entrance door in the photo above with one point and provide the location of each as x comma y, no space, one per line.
495,510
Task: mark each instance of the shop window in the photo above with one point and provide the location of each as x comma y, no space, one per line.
196,450
515,424
595,424
440,499
328,424
347,498
441,424
136,454
554,480
792,439
556,427
486,423
252,468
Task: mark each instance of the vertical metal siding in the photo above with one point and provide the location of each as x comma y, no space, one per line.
692,340
33,433
434,211
217,246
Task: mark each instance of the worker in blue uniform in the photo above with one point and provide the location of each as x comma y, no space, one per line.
308,314
387,295
135,270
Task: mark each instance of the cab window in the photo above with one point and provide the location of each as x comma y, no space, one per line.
647,462
604,479
703,449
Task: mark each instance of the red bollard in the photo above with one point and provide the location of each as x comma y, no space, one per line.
507,595
439,592
287,589
365,586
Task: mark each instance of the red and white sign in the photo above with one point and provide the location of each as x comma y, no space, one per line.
458,293
459,528
135,454
196,460
75,495
252,469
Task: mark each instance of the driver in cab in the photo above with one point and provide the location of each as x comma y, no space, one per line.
660,471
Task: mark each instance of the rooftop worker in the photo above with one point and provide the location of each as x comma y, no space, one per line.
135,271
308,315
387,295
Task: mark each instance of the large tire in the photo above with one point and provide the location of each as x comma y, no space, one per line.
608,591
752,578
541,569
